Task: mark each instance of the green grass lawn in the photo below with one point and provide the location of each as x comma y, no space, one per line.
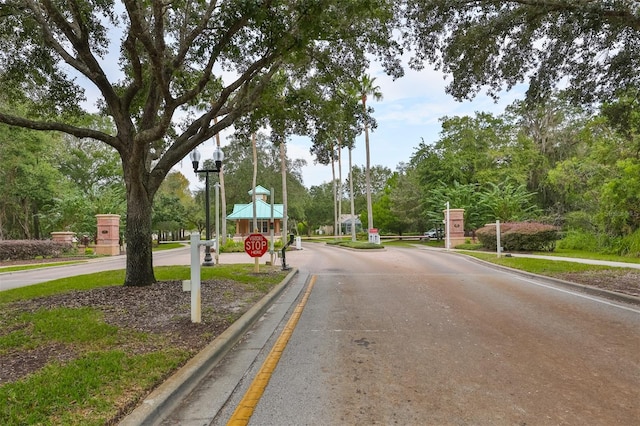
590,255
105,369
169,246
536,266
37,265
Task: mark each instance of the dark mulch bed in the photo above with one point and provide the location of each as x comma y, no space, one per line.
162,309
621,281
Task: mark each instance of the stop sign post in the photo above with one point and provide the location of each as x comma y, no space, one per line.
256,245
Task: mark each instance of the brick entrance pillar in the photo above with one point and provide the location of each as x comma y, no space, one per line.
455,226
63,236
108,239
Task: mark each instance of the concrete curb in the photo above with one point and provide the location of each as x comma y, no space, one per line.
612,295
169,394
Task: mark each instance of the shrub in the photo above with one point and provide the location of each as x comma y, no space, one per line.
630,245
579,240
487,236
232,246
30,249
519,236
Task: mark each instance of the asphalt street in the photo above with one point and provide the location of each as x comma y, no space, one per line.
406,336
412,336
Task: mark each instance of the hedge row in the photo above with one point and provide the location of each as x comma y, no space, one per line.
31,249
519,236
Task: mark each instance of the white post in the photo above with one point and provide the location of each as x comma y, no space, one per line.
195,278
499,248
217,188
446,229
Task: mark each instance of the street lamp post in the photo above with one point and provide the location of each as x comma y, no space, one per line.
218,156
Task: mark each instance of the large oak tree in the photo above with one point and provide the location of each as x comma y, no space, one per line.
164,71
485,44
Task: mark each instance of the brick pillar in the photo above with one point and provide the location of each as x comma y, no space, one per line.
455,226
108,239
63,236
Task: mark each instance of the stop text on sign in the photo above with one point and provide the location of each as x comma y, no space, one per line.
256,245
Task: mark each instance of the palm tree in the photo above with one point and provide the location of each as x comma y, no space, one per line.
367,87
353,214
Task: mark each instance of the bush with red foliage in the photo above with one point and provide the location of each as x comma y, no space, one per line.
519,236
30,249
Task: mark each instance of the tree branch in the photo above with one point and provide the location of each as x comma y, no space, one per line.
78,132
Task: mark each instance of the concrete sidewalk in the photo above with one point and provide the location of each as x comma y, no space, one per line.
548,257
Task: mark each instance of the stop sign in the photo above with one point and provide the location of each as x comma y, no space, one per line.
256,245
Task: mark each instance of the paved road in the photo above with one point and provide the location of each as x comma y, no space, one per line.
407,336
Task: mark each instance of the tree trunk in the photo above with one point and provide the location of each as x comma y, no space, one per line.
36,223
367,171
24,220
335,198
255,178
353,214
339,188
367,177
138,235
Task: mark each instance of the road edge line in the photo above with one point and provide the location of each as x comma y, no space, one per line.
245,408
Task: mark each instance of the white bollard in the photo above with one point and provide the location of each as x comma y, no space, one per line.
498,242
196,314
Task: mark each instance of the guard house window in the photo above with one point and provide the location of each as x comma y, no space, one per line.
263,226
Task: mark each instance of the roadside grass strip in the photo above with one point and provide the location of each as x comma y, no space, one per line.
590,255
85,390
98,371
539,266
88,389
37,266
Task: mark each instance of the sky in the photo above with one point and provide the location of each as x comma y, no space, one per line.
408,113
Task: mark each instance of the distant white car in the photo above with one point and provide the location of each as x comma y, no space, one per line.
432,233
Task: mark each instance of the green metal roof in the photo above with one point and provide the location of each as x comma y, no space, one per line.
263,210
260,190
